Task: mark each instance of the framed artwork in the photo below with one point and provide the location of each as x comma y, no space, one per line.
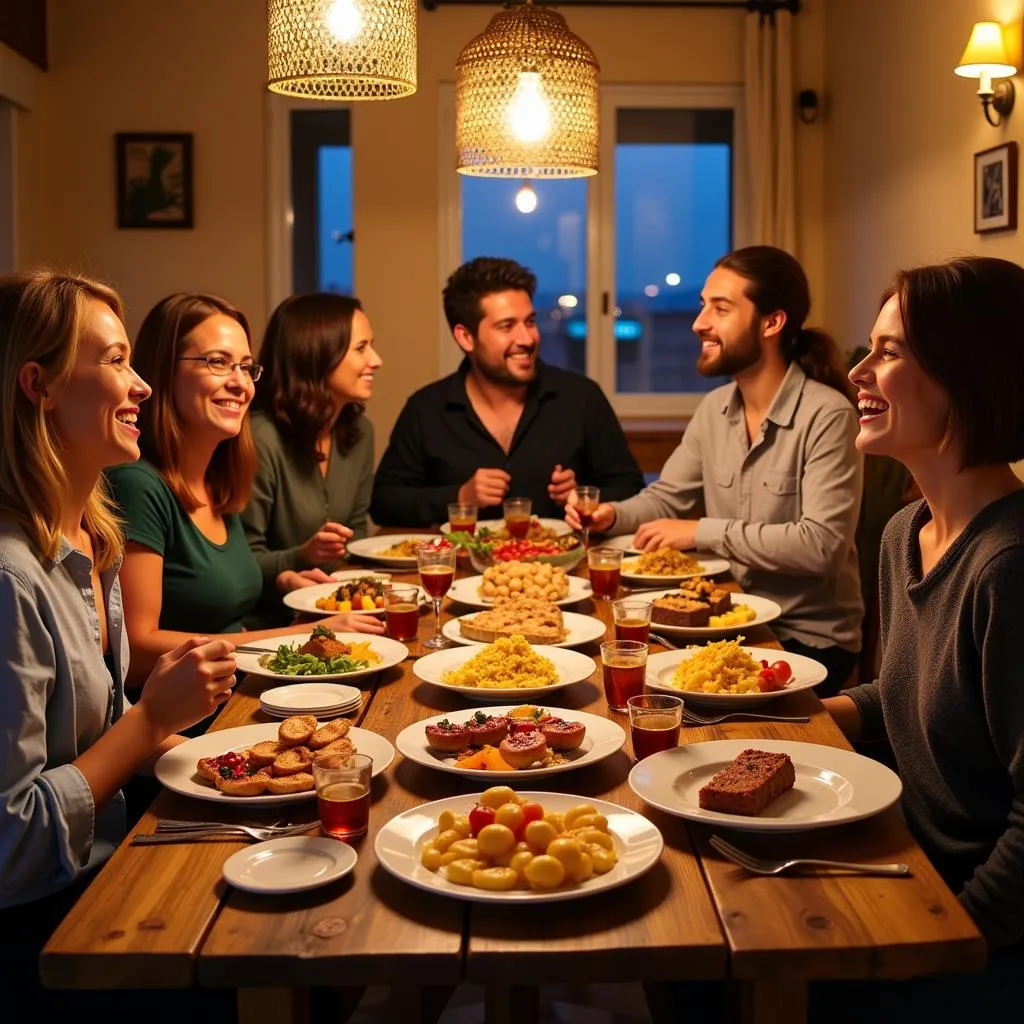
154,179
995,189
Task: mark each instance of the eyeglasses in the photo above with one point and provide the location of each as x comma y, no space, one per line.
219,366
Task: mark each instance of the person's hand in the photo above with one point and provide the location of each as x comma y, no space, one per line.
353,622
603,519
485,487
680,534
563,483
188,684
289,580
326,546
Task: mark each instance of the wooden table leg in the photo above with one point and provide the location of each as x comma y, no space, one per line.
504,1004
273,1006
773,1001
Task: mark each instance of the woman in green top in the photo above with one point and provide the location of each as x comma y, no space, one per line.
187,566
315,447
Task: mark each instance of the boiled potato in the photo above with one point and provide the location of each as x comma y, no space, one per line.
498,795
495,840
544,872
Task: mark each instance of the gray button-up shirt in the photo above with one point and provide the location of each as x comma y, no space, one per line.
56,699
783,510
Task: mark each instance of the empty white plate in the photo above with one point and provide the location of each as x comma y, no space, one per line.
324,713
305,698
291,864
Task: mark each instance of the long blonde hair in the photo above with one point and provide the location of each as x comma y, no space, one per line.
41,320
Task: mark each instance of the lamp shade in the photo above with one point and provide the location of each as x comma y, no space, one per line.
985,53
526,99
342,49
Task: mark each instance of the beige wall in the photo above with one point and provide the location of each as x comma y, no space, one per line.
199,66
901,134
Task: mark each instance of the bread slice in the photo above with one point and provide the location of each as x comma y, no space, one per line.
749,783
677,610
536,620
719,601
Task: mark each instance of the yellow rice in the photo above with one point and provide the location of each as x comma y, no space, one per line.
722,667
507,664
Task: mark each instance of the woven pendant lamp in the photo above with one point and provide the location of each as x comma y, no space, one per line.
526,99
342,49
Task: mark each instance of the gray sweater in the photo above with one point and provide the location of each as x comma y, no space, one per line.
950,697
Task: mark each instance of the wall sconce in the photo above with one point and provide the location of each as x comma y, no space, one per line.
985,58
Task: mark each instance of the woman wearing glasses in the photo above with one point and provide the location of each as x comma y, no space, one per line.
188,566
315,447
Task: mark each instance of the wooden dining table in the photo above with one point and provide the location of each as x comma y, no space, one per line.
163,917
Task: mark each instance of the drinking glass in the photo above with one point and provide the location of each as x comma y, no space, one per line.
343,794
517,516
587,500
605,566
623,664
462,517
654,720
437,570
401,610
632,618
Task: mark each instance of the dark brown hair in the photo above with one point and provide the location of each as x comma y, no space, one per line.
778,282
160,341
963,320
307,337
478,278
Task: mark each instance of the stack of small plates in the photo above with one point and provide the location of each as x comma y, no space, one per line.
325,700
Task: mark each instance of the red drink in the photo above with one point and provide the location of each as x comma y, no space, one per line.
462,525
623,678
517,527
344,809
632,629
402,621
653,733
605,582
436,579
586,518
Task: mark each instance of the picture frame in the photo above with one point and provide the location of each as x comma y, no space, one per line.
995,189
154,179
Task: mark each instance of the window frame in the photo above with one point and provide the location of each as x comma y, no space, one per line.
600,230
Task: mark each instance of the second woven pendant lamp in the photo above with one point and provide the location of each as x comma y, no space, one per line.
526,97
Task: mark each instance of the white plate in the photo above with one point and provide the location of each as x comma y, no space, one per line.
398,844
807,673
391,653
710,565
624,542
321,713
369,547
302,698
305,598
467,591
558,526
580,629
289,865
603,739
764,609
571,667
177,768
833,786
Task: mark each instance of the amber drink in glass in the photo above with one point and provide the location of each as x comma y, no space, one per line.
623,665
605,566
517,516
654,721
632,619
401,611
436,563
343,794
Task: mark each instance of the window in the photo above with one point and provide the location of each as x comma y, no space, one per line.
621,258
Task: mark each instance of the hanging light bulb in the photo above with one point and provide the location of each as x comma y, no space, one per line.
526,198
344,20
529,115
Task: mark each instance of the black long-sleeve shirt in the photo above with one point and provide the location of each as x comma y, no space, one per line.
439,442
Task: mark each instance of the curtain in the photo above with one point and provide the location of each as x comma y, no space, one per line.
769,115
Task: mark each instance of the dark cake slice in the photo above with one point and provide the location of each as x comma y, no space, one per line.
676,610
749,783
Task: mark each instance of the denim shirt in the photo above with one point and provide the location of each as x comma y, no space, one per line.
782,509
56,699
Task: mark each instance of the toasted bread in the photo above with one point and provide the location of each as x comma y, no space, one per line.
265,753
301,782
249,785
295,759
208,769
342,746
330,732
296,730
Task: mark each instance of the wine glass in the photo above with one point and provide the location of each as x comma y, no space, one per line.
587,500
437,570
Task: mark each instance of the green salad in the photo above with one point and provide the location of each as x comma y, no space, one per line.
289,662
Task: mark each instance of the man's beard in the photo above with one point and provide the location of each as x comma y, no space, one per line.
502,376
727,362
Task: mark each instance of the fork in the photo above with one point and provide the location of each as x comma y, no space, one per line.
761,866
226,832
695,718
665,642
176,825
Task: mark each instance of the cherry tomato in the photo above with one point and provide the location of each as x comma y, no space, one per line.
782,671
768,681
532,812
479,817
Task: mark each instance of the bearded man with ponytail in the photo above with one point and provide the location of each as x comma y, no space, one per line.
767,473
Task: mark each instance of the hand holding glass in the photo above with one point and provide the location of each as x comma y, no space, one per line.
437,570
587,500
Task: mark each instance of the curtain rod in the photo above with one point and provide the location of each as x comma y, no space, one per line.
762,6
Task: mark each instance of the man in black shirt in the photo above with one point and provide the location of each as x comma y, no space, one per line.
504,424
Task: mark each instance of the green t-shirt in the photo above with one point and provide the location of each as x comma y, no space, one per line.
208,588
